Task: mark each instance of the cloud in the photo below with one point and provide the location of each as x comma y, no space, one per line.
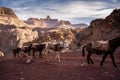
114,1
73,10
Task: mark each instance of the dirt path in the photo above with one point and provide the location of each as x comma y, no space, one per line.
72,67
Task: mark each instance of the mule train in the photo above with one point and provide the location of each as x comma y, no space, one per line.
43,48
105,48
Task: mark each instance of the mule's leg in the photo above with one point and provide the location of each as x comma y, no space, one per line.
29,53
46,55
89,59
14,54
40,54
57,57
103,59
113,60
18,55
33,53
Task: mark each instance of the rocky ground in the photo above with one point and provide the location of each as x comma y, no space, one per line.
72,67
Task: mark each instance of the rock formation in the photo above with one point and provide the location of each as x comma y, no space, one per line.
57,35
62,22
51,23
80,26
42,23
12,37
103,29
8,17
7,12
48,22
13,32
106,28
35,22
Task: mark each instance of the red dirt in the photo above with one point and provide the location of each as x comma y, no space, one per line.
72,67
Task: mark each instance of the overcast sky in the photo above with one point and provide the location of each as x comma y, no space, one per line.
76,11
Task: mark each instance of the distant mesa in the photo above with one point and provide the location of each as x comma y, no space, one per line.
48,22
48,17
81,25
8,17
42,23
62,22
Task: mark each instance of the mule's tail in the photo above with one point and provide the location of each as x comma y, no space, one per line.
83,51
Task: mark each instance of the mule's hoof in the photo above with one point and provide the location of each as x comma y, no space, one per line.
92,62
40,56
101,65
115,65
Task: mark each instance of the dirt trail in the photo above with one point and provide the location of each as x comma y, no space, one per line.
72,67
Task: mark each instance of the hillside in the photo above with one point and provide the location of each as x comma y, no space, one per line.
13,32
108,28
8,17
102,29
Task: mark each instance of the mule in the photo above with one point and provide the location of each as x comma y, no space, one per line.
38,47
56,48
113,45
16,51
27,49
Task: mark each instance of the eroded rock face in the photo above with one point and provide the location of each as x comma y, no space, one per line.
62,22
57,35
80,26
108,28
48,22
42,23
7,12
101,29
8,17
12,37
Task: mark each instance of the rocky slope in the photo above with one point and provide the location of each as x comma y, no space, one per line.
60,35
57,35
102,29
12,37
13,32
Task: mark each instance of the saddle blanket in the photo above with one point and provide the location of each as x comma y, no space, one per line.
101,45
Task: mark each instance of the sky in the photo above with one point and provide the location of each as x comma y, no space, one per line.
75,11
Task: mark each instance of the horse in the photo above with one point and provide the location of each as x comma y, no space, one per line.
16,51
113,44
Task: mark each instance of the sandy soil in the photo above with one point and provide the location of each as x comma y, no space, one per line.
72,67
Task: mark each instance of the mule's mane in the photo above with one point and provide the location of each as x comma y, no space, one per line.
115,39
